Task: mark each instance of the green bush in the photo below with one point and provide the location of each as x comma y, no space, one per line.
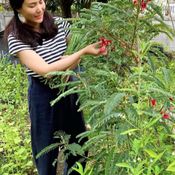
128,95
15,146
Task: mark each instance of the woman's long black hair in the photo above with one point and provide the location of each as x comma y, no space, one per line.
24,32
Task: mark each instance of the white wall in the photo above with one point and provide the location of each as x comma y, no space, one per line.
4,19
169,14
2,1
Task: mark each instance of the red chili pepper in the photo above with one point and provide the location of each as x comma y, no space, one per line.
104,43
143,3
166,116
153,102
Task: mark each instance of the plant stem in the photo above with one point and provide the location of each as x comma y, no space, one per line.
136,25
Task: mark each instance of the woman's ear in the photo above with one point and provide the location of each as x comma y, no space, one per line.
21,17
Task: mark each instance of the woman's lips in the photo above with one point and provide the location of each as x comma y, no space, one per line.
39,17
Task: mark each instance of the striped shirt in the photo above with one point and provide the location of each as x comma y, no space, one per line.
51,50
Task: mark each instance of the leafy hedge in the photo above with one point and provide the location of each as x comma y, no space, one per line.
15,149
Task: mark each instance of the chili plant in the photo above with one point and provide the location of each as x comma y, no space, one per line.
127,96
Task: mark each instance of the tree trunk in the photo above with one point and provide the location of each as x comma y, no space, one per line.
60,162
86,4
104,1
66,8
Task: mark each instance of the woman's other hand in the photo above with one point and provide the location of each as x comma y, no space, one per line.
95,49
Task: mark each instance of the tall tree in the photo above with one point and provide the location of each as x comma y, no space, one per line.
66,8
65,5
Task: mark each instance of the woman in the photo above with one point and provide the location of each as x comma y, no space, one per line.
39,43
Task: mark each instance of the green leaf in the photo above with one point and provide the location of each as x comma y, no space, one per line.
151,153
161,91
106,119
129,131
158,157
152,78
47,149
145,48
110,163
152,122
75,149
166,74
79,169
112,102
171,167
64,94
94,103
136,145
124,165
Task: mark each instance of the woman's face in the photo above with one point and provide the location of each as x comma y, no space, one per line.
33,12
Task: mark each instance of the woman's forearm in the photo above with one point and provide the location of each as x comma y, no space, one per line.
73,66
68,62
38,65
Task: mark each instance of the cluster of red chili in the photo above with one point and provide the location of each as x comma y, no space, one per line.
143,4
103,44
165,113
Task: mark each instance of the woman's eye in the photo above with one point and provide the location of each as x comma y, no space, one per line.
32,6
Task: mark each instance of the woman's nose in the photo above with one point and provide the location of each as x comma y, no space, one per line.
39,8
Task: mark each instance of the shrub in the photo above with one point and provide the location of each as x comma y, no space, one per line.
127,96
15,149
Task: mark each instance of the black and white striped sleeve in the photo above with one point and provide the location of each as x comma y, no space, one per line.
65,25
15,45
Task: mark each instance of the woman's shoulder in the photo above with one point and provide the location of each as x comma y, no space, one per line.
12,38
15,45
58,19
63,24
11,35
61,21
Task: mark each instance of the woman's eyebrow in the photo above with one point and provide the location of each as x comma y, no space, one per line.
31,3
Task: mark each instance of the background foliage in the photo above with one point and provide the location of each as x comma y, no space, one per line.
127,97
130,134
15,149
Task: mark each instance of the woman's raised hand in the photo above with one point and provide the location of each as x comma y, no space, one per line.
95,49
